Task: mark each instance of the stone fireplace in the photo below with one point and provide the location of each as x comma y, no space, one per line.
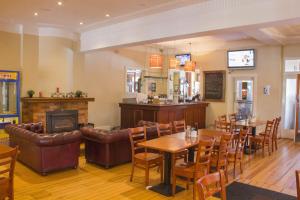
36,109
61,121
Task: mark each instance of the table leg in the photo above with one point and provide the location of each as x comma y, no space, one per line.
165,188
191,155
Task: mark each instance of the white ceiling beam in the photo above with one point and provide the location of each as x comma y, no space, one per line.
209,17
264,37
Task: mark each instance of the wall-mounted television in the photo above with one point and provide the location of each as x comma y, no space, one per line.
183,58
241,59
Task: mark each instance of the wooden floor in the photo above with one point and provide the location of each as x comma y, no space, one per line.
275,172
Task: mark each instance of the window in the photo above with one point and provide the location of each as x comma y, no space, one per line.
133,83
292,65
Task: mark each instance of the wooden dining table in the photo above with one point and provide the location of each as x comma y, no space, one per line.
172,144
252,125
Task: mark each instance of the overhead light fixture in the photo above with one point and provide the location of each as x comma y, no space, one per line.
190,66
155,61
36,14
81,23
173,63
60,3
107,15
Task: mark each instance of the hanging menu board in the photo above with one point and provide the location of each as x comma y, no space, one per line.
214,85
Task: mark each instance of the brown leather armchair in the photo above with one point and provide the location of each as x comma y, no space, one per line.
44,152
110,148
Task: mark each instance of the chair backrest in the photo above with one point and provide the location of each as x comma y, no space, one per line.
233,117
269,128
225,142
164,129
241,141
7,164
204,151
210,184
276,127
137,135
225,126
222,118
179,126
298,183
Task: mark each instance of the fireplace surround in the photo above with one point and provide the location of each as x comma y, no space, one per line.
61,121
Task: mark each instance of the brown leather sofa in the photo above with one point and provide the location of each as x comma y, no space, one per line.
44,152
110,148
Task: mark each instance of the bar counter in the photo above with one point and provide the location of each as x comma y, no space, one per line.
193,113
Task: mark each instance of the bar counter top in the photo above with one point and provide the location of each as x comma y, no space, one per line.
165,105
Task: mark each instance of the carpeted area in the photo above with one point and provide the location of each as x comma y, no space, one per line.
241,191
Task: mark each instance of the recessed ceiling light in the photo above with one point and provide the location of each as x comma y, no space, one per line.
60,3
36,14
81,23
107,15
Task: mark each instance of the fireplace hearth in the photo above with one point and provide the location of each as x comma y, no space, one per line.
61,121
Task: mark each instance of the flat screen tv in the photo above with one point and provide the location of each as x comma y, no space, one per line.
241,59
183,58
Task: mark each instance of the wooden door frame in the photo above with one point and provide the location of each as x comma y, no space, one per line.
297,106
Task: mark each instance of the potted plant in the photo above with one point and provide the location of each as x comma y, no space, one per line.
30,93
78,94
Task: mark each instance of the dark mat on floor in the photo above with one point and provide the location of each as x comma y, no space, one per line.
241,191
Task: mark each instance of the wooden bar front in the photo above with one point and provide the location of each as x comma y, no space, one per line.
193,113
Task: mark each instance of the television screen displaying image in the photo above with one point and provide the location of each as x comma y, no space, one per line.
241,59
183,58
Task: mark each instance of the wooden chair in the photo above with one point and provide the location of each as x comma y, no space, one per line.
179,126
7,167
219,155
232,117
164,129
298,183
222,118
210,184
275,134
263,139
140,157
193,171
235,155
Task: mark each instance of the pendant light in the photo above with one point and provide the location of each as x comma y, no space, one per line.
156,60
190,65
173,62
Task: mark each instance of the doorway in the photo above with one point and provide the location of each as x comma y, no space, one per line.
243,97
290,100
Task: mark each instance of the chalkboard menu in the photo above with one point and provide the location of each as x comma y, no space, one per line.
214,85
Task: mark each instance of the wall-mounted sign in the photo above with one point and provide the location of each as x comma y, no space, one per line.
267,90
214,85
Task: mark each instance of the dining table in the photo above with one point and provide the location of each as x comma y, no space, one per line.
252,125
172,144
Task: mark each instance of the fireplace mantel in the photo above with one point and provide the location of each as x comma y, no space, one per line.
35,109
55,100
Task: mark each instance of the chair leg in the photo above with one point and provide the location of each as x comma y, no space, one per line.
161,172
276,147
174,185
263,150
132,171
187,184
241,165
250,148
234,164
147,175
194,189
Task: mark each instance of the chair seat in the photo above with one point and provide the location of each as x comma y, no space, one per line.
214,161
187,170
147,156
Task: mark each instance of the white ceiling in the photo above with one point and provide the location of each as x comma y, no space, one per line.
91,12
275,35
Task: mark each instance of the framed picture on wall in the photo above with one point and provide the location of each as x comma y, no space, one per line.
214,85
